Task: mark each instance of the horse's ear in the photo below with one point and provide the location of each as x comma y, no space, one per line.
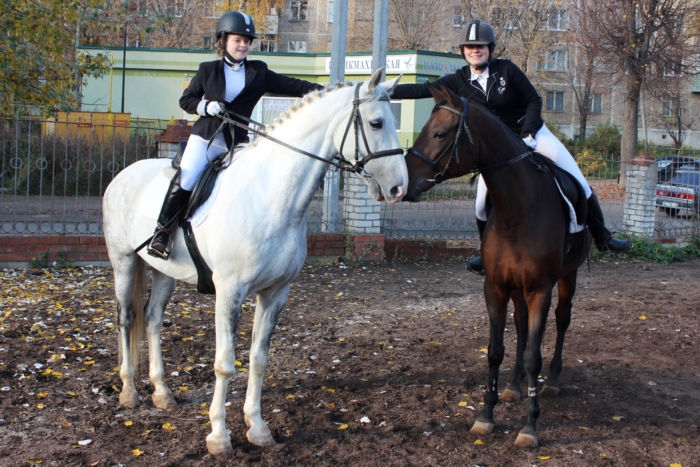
439,93
453,99
388,86
375,80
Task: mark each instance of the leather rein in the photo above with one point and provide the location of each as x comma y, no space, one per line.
342,163
453,149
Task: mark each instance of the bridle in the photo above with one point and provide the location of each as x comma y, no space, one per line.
342,163
453,149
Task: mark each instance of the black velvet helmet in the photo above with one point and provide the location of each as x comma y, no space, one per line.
235,22
478,33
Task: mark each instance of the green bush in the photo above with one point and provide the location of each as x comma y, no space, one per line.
604,141
653,252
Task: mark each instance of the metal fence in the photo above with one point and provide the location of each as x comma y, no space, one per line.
53,176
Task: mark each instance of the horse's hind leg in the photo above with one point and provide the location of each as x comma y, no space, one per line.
129,278
497,304
567,289
513,393
267,313
162,288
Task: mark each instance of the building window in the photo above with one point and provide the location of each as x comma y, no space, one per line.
557,19
267,45
554,61
298,11
671,107
208,42
396,110
596,104
212,9
296,47
457,17
175,8
331,9
555,101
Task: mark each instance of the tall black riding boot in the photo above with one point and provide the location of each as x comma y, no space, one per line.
175,199
602,237
476,264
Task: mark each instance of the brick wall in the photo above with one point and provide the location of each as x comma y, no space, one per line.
22,250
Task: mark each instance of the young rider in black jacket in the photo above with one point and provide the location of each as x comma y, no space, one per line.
232,83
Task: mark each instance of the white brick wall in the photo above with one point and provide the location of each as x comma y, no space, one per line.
638,216
360,211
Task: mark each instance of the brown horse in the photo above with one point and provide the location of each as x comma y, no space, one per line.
526,247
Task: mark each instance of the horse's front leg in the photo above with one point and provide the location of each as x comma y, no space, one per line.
227,315
567,289
538,306
267,313
497,304
513,393
162,288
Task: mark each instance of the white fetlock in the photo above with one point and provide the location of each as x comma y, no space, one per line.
219,444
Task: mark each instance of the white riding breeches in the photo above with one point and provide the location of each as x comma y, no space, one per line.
197,156
549,146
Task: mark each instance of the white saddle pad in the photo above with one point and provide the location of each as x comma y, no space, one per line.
573,224
155,193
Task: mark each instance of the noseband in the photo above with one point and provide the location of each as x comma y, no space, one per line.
454,152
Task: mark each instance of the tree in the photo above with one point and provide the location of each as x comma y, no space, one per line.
644,38
414,23
40,65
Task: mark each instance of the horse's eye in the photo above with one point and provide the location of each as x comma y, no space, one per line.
376,124
440,134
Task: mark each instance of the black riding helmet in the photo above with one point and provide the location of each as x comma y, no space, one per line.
235,22
478,33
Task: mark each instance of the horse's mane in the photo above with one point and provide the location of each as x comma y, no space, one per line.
307,99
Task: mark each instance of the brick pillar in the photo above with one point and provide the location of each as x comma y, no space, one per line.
638,216
362,220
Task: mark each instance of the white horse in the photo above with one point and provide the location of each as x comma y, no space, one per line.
253,238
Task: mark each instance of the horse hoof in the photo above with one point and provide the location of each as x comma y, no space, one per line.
549,391
525,440
164,401
482,428
129,399
510,396
261,439
217,445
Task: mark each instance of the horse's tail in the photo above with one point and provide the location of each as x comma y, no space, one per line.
138,301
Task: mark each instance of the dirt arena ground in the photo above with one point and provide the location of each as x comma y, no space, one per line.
372,364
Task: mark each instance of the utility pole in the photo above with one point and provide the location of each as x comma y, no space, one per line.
331,186
381,33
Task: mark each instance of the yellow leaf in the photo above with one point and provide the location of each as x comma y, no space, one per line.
89,362
463,404
72,393
344,426
484,350
40,406
479,442
183,388
203,404
137,452
204,412
35,462
617,418
675,465
168,426
544,458
290,396
238,363
42,394
643,318
128,423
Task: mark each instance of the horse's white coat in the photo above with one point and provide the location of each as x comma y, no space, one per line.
253,239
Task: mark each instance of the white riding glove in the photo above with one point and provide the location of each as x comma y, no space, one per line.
530,142
214,108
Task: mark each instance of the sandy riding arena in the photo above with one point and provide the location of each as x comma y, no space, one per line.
371,364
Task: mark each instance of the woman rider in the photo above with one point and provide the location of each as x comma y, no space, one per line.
499,85
232,83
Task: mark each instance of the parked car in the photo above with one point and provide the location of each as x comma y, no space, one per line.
667,167
681,193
